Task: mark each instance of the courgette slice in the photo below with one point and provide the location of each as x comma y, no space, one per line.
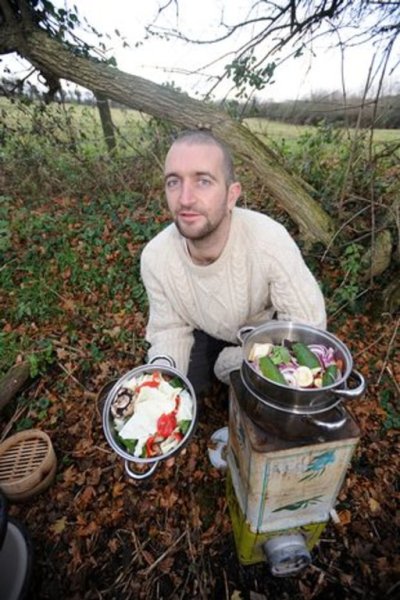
271,371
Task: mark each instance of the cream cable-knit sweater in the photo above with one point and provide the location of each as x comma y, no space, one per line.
260,272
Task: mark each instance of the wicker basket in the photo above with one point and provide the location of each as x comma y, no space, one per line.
27,464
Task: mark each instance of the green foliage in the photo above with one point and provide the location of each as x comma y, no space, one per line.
389,403
41,358
38,410
320,157
246,74
346,292
73,248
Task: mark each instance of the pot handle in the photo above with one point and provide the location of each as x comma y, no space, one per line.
163,359
244,332
140,476
354,392
331,424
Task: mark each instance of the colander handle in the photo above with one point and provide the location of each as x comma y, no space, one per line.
353,392
140,476
244,332
162,359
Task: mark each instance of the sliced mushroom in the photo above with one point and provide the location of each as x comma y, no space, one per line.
123,404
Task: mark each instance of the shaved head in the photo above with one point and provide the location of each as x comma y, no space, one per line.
206,138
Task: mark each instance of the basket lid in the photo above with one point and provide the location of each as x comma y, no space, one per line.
26,460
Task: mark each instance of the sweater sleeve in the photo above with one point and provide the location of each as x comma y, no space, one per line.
295,293
167,333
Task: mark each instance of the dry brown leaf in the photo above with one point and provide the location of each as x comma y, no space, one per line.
86,496
148,557
118,489
59,526
93,476
113,545
374,506
166,565
87,530
76,556
168,499
344,517
195,516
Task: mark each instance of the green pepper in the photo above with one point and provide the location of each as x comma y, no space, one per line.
271,371
305,356
330,375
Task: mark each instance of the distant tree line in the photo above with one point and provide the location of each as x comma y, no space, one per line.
382,113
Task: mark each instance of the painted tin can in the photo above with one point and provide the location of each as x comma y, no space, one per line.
277,486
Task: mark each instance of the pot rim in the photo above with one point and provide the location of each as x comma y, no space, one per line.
272,326
107,425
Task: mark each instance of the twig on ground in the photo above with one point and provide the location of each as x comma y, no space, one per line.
18,412
396,385
71,376
371,345
183,594
226,586
57,342
161,558
389,348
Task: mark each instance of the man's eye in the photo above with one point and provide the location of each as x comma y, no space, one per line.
204,182
172,183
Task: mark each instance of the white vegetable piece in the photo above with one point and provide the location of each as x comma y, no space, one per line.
150,404
303,376
259,350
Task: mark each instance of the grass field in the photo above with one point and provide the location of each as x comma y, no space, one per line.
278,131
126,120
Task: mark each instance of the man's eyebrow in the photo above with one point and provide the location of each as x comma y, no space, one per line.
172,174
196,174
205,173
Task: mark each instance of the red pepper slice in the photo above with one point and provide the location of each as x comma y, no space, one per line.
150,450
166,424
152,383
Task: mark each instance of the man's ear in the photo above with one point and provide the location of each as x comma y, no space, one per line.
234,191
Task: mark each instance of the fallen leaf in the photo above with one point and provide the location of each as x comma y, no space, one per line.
118,489
344,517
59,525
374,506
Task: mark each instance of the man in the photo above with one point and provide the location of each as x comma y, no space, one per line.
218,267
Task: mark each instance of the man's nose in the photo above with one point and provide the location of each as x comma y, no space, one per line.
186,196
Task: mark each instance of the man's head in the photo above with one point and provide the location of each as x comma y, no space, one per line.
199,185
206,138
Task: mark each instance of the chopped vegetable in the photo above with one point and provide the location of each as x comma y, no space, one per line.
151,414
166,424
305,356
270,370
330,375
296,364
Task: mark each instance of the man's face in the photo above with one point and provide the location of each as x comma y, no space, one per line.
197,194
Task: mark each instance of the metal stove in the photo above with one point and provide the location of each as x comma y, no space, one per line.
282,488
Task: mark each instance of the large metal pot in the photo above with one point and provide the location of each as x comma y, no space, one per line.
167,368
296,400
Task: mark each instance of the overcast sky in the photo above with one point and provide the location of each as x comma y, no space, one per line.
161,61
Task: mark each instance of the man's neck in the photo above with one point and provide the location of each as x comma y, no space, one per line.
209,249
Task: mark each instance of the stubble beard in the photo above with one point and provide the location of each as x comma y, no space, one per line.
208,228
201,234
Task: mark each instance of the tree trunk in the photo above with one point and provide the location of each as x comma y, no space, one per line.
106,121
286,190
12,382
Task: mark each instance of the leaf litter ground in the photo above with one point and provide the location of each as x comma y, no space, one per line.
98,534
